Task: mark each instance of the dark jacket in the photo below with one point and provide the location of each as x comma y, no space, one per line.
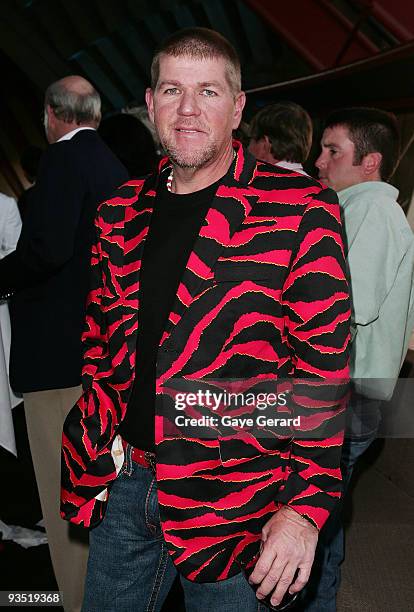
49,270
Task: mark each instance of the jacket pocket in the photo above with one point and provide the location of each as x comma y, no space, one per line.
233,271
245,446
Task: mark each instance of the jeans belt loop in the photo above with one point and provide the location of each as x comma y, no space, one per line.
142,457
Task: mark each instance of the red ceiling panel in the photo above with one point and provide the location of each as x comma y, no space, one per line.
316,30
397,16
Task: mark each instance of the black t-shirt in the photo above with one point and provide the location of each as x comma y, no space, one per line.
174,227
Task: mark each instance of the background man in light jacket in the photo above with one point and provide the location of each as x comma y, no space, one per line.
360,148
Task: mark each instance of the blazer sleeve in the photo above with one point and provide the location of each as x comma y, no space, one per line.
94,337
317,321
78,447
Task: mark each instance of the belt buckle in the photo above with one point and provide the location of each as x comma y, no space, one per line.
150,458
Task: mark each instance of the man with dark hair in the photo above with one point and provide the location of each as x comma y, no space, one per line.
373,137
282,134
360,149
48,273
227,287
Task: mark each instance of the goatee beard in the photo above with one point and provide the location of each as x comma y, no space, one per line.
195,160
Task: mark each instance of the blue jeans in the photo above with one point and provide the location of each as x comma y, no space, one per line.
129,567
320,593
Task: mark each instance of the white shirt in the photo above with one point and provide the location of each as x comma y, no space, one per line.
10,226
70,134
294,166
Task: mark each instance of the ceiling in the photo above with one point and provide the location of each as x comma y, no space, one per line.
111,43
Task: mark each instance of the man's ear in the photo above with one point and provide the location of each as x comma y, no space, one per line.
50,113
239,103
149,99
267,144
371,164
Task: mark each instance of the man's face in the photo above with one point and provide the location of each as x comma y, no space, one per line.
194,110
335,163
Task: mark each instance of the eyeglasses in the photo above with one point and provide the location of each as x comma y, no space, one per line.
288,599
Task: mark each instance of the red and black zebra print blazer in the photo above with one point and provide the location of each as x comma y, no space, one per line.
264,294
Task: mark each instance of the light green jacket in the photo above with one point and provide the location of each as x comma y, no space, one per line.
380,259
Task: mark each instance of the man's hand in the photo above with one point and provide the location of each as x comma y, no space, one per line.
289,543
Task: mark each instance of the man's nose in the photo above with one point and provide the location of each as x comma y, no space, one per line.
320,162
188,104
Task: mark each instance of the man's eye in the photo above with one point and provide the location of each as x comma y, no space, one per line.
333,151
208,92
171,91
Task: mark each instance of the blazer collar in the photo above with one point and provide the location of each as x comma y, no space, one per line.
227,211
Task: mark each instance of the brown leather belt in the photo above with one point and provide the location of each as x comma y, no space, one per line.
142,457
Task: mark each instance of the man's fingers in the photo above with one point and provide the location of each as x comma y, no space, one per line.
262,566
272,578
302,579
283,584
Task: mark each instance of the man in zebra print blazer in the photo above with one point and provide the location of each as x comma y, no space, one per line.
218,268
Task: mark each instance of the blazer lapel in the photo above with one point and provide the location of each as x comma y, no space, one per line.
136,227
227,212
